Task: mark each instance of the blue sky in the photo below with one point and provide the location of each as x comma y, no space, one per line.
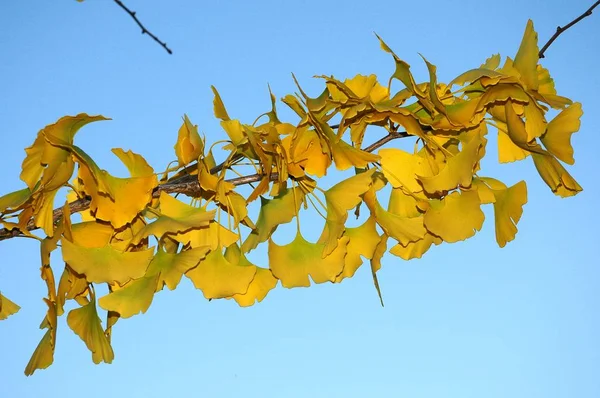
467,320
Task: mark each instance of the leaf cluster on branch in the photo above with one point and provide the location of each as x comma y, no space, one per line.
137,237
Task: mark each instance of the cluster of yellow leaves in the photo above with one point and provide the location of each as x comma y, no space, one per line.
436,191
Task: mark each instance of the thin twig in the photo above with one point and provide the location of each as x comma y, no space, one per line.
560,30
144,30
187,185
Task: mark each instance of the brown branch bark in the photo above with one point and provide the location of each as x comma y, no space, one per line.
187,185
144,30
560,30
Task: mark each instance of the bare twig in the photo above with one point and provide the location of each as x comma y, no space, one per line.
560,30
144,30
187,185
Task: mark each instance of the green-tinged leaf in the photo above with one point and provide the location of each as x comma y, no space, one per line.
341,198
170,267
263,281
293,263
106,264
176,217
362,241
86,324
219,278
133,298
43,356
273,212
14,200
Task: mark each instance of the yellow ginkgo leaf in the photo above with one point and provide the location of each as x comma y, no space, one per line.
91,234
71,286
508,151
49,161
7,307
403,229
380,250
346,156
176,218
527,58
458,170
535,122
367,87
189,145
415,249
404,205
129,196
214,235
263,281
170,267
273,212
341,198
362,242
86,324
135,163
307,150
433,87
106,264
12,201
456,217
401,168
293,263
403,74
557,138
235,131
219,278
508,208
218,106
135,297
555,176
43,356
44,212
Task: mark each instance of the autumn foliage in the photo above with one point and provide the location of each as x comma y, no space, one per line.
140,233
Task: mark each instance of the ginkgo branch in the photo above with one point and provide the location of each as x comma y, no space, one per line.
560,30
187,185
144,30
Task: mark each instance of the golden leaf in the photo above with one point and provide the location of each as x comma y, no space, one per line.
456,217
7,307
527,58
508,208
189,145
557,138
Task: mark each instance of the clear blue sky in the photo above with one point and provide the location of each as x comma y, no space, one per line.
467,320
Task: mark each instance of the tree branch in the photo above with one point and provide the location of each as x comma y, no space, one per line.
144,30
560,30
187,185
